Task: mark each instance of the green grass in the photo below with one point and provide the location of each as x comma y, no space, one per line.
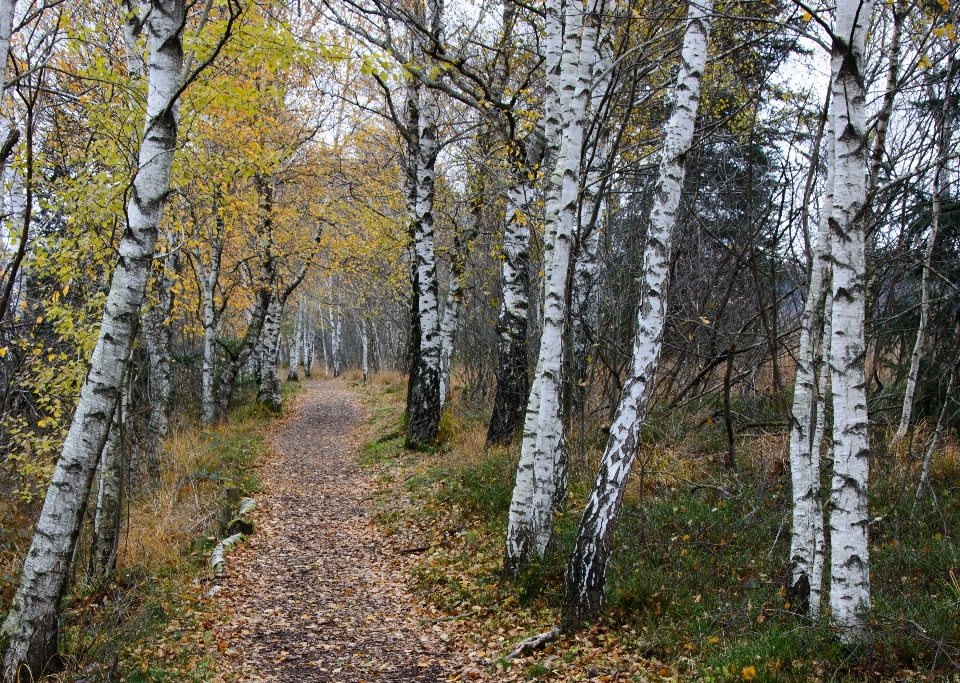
698,576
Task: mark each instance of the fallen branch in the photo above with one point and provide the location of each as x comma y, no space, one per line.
534,643
217,559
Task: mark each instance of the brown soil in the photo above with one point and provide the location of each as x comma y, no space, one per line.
318,593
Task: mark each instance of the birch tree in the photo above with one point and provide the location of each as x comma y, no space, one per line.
943,127
109,509
209,276
850,516
31,626
296,344
586,570
541,475
158,333
806,429
423,404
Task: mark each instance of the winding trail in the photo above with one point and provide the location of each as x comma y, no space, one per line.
318,593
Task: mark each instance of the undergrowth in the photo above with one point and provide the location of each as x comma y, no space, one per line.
152,619
697,585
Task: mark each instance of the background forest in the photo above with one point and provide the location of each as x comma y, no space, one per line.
658,300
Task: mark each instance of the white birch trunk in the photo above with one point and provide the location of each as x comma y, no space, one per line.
807,514
108,515
8,134
928,456
943,145
451,318
158,332
323,347
819,524
209,279
296,342
849,519
30,629
333,309
586,571
423,408
513,383
447,327
309,339
541,473
269,391
364,351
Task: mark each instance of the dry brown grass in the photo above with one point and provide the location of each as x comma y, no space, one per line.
173,513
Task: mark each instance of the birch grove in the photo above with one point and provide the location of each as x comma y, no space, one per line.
662,294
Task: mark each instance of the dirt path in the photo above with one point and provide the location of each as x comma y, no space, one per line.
317,593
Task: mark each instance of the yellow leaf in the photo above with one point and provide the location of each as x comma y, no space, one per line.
749,672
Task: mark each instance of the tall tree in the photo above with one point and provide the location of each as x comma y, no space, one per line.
586,570
849,503
31,626
541,472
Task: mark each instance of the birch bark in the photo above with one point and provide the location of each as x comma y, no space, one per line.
333,311
30,629
849,519
296,339
108,516
209,276
423,407
159,337
309,339
541,473
268,393
364,351
10,135
944,135
807,514
586,571
455,293
513,382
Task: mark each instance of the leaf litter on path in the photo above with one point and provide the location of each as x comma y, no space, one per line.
318,593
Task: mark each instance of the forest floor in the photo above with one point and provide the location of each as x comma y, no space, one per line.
319,592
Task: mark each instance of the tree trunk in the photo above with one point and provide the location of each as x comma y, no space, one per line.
807,513
943,145
423,406
541,473
106,523
333,308
296,343
586,571
268,393
8,134
309,339
211,320
513,382
323,349
30,629
158,332
364,352
850,516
